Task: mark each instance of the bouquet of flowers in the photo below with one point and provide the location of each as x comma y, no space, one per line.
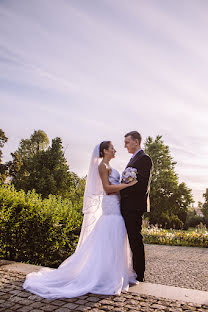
129,175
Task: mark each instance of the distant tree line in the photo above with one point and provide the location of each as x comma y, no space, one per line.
204,206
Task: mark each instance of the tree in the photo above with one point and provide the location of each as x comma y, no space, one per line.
49,172
28,148
192,219
3,167
204,207
169,199
78,188
36,165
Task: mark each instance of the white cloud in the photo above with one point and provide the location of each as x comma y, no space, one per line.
88,72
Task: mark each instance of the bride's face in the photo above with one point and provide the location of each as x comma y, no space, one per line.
110,152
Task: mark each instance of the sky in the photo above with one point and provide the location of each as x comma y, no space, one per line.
89,71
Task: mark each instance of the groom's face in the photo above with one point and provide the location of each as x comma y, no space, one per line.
131,144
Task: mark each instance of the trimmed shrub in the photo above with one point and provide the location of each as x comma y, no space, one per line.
37,231
194,221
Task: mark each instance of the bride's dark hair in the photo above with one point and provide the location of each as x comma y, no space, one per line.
104,145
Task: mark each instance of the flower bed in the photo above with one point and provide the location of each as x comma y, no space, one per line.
155,235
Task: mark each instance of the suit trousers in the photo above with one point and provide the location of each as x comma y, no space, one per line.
133,222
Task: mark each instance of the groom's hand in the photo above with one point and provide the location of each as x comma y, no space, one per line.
117,193
143,176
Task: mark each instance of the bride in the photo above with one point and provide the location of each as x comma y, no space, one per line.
102,262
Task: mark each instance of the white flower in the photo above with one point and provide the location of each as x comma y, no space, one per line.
129,174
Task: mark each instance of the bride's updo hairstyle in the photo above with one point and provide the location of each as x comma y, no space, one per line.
104,145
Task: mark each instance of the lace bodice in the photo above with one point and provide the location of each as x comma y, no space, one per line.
111,203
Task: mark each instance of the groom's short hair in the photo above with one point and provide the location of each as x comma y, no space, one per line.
135,136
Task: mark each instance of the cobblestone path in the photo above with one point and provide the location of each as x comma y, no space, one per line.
168,265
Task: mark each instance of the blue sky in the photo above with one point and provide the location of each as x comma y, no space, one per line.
92,70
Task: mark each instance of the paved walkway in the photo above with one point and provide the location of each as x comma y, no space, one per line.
159,260
177,266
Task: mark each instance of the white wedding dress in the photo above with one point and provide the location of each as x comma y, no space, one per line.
101,265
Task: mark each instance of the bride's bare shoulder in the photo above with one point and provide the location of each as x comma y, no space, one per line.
103,167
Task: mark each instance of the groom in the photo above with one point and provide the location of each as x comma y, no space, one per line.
135,200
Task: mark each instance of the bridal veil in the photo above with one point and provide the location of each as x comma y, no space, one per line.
93,197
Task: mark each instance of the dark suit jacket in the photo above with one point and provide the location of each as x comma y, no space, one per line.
136,197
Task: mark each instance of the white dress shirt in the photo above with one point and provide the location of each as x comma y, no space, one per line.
136,153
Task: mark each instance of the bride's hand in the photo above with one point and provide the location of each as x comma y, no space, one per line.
132,183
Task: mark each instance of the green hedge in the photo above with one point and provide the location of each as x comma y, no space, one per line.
37,231
46,232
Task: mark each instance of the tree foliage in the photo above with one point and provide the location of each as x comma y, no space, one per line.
169,199
3,167
204,207
22,158
29,147
44,168
192,219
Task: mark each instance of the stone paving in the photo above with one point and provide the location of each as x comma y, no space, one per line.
177,266
14,298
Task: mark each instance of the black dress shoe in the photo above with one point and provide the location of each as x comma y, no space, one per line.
140,279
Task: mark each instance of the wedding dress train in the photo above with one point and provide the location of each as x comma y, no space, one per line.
102,264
